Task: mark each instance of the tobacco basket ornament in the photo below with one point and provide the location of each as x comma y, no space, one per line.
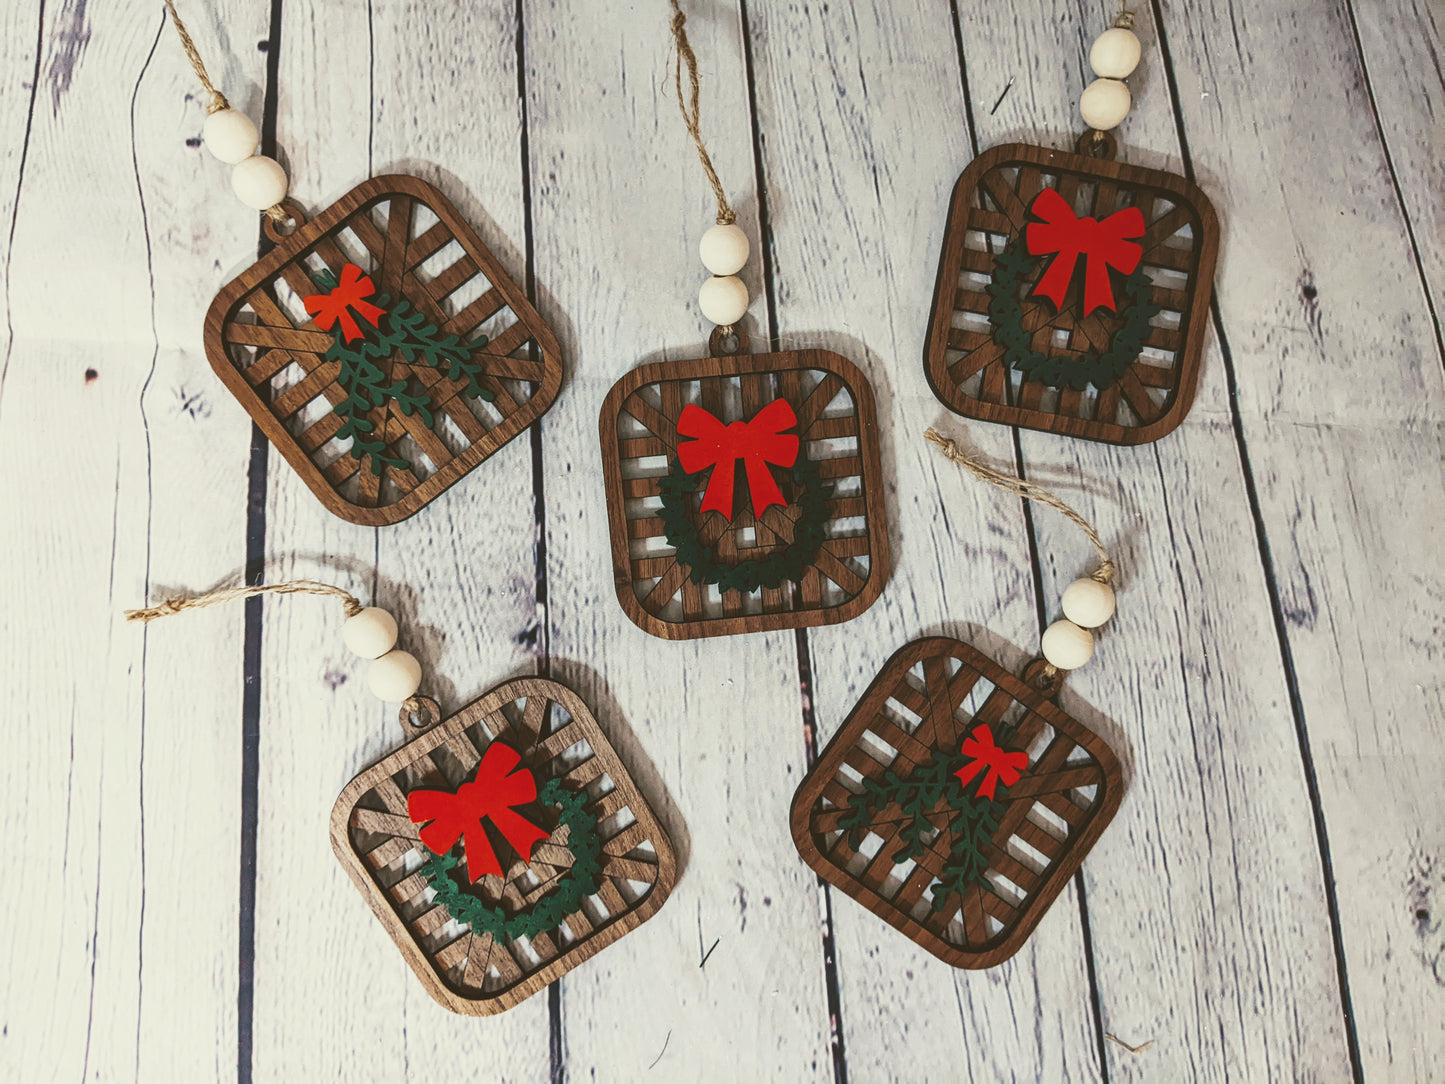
955,802
503,846
382,349
1072,294
744,493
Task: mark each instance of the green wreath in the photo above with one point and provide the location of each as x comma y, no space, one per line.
572,888
786,565
1006,313
972,820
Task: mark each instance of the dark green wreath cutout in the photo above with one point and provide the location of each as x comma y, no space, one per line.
783,566
393,329
971,819
1005,312
446,873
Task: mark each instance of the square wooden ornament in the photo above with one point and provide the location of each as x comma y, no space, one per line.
834,496
604,867
884,816
462,361
1121,375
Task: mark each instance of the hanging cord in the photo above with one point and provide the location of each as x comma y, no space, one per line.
693,119
232,594
276,213
1125,19
349,603
218,100
1104,573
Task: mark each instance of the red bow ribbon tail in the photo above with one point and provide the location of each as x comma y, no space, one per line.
757,443
490,796
1066,237
997,764
349,293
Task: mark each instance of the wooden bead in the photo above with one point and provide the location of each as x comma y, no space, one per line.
1104,104
259,182
394,676
371,633
724,249
1088,603
1067,646
723,299
230,135
1115,53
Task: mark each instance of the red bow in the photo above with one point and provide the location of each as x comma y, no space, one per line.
1102,245
757,443
997,764
350,293
490,796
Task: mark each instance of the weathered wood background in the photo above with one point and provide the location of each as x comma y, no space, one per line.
1269,903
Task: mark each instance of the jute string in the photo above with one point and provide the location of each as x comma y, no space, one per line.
232,594
218,100
691,112
175,605
1104,573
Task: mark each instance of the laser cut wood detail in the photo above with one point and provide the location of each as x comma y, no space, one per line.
838,427
559,740
409,239
928,697
963,358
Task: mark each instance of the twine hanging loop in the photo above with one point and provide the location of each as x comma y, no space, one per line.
691,111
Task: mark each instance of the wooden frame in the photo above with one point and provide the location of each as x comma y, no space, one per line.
988,209
838,424
379,847
414,245
927,697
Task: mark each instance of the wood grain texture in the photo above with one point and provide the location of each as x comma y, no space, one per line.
1265,904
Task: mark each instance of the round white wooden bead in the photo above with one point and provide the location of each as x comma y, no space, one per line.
1066,645
371,633
1104,103
724,249
1115,53
230,135
724,299
259,182
1088,603
394,676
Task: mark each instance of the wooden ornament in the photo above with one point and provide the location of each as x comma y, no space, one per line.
429,411
818,557
922,808
605,867
999,352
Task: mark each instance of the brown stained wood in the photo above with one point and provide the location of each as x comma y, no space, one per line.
377,843
248,355
961,933
964,365
653,588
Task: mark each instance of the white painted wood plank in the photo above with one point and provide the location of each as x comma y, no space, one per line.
862,143
333,997
711,727
1197,954
1338,372
1401,45
121,779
